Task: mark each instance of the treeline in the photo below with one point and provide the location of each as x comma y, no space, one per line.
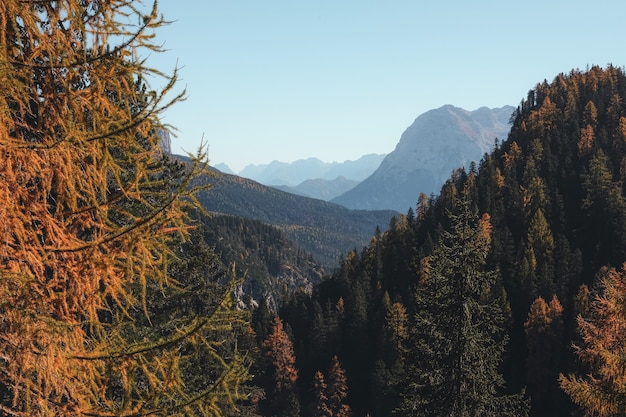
501,293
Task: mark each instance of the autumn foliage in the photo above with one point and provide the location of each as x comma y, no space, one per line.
86,197
279,350
602,392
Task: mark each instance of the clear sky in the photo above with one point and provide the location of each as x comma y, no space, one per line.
337,79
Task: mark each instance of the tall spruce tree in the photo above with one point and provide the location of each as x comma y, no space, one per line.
544,333
458,338
89,211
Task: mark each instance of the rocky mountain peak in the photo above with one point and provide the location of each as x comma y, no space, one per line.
437,142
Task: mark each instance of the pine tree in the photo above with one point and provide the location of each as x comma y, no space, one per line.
602,392
458,339
90,209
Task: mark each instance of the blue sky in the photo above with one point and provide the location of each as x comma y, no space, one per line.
285,80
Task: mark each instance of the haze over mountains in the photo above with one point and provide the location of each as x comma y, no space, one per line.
438,142
294,173
323,229
311,177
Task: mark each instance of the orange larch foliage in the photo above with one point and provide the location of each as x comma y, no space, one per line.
84,199
279,350
602,392
338,390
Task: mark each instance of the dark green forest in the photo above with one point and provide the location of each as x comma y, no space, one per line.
479,301
271,265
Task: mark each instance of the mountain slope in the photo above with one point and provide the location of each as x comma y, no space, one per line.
437,142
273,265
323,229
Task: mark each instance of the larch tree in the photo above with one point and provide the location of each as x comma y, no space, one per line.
320,398
602,392
90,206
330,393
457,341
278,349
337,390
397,321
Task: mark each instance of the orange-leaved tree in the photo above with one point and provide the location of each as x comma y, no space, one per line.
88,203
278,349
602,392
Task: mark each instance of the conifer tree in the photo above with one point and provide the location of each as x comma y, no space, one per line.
90,208
397,321
544,332
540,248
279,351
458,338
602,392
337,390
320,398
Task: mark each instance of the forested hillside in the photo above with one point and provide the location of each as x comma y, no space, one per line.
504,291
324,230
270,264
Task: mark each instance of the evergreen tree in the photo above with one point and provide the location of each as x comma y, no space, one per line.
539,255
604,204
544,333
458,337
90,210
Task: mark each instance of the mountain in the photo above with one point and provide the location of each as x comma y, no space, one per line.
224,168
292,174
438,142
322,229
320,188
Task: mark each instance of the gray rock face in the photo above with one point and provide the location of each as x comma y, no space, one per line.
166,141
438,142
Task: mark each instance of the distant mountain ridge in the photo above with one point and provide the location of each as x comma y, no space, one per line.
438,142
325,230
320,188
294,173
